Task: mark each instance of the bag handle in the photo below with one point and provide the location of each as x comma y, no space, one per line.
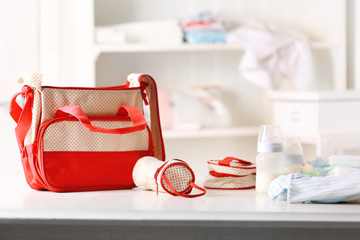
135,115
226,161
148,87
22,116
192,184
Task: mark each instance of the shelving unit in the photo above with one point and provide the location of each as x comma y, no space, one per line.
212,133
179,48
176,66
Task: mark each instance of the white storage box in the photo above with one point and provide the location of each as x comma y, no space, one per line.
309,115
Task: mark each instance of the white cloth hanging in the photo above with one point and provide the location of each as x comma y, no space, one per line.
352,161
272,54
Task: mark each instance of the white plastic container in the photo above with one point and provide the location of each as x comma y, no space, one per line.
328,119
310,114
270,161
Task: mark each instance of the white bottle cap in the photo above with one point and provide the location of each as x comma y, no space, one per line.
270,139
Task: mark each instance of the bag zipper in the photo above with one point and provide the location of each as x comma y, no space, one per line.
122,87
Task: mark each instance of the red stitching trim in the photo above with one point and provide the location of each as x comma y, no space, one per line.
215,163
218,174
230,188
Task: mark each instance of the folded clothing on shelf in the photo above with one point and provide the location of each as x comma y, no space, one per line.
199,107
153,32
341,165
342,171
109,35
321,166
166,109
335,165
351,161
230,174
203,28
300,188
196,37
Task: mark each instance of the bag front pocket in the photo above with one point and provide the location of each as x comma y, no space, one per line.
72,158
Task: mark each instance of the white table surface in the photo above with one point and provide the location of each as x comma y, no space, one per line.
18,201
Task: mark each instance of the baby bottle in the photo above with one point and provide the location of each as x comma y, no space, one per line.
270,160
293,155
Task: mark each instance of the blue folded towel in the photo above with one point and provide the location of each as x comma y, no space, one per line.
195,37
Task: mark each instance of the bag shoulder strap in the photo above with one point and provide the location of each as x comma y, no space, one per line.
22,115
148,85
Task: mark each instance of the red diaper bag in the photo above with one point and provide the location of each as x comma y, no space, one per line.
86,139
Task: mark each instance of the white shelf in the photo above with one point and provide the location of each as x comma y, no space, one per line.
212,132
165,47
314,96
133,48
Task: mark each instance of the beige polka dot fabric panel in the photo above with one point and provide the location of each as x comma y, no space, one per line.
34,81
73,136
179,177
92,102
230,182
